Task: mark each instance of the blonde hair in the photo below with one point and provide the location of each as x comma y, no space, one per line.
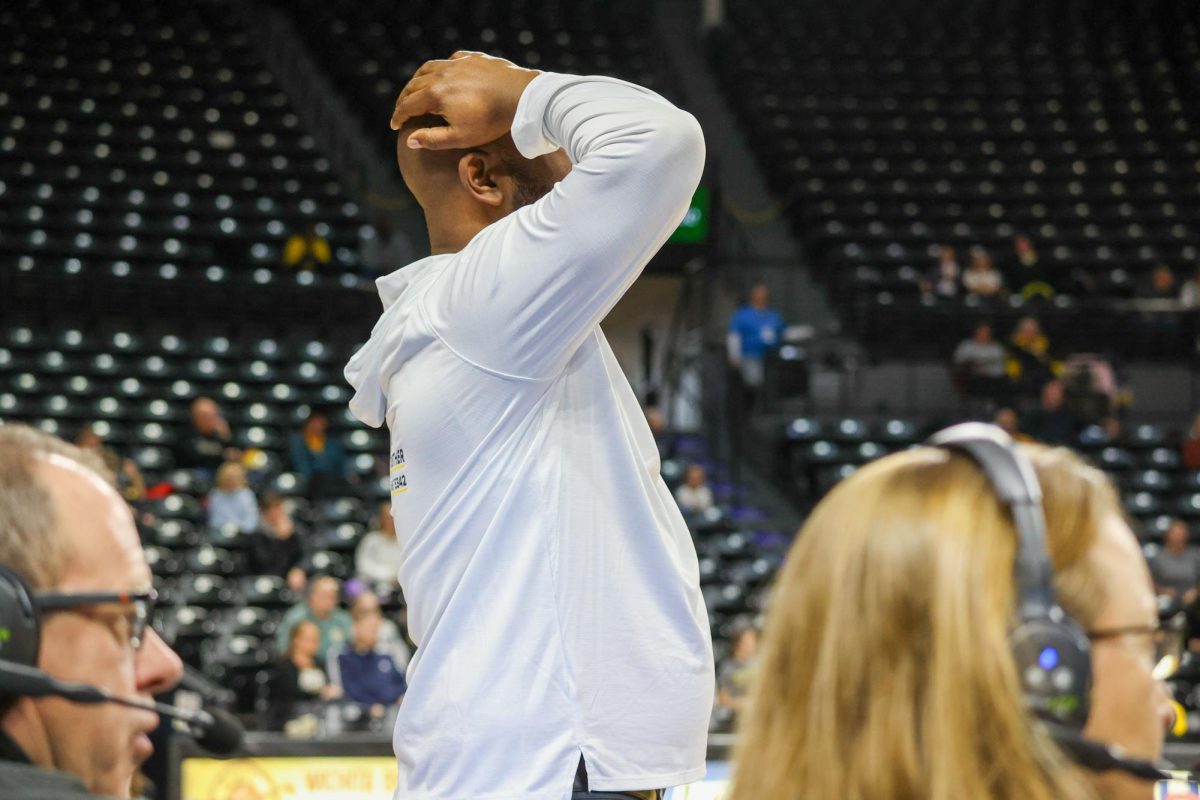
885,669
227,473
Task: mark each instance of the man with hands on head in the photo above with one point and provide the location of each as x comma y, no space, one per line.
552,587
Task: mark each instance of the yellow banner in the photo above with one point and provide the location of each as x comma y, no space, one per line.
338,778
316,778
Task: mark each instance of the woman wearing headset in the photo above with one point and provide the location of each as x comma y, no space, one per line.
887,671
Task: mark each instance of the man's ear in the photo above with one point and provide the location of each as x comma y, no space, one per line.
476,175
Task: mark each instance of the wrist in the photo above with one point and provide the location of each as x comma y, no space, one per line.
529,132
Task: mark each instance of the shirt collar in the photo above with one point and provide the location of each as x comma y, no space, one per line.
391,286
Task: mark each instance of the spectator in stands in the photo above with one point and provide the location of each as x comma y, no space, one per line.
365,674
209,442
755,330
1026,270
981,278
319,457
979,365
734,678
1112,427
306,249
1030,364
1006,420
694,494
1024,252
320,608
1191,445
1176,567
130,482
277,547
869,584
379,555
1092,387
1051,422
232,501
88,438
1161,285
299,677
391,641
1159,324
656,420
1176,572
1189,291
944,278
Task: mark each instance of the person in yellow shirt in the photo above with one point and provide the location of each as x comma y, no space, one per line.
306,249
1030,364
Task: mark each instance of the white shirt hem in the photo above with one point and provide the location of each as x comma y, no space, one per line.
628,784
644,782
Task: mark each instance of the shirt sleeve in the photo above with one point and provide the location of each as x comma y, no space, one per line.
524,294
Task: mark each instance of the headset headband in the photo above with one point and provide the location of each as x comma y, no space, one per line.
1015,483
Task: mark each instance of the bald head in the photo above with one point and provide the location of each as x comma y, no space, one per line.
426,173
464,191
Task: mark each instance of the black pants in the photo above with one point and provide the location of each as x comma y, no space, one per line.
581,792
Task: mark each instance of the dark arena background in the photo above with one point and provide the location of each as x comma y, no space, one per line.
942,210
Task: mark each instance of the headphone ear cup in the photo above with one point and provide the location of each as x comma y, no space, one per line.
20,633
1054,665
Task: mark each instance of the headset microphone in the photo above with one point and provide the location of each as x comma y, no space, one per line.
1102,757
215,730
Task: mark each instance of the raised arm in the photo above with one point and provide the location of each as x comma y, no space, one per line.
528,289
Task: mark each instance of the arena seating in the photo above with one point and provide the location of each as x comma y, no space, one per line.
1144,463
371,48
888,128
135,386
146,139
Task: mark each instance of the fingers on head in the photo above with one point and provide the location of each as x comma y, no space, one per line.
414,104
438,138
412,87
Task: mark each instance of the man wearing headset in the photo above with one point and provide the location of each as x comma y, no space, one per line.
69,538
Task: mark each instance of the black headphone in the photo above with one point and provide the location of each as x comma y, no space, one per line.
1052,653
20,631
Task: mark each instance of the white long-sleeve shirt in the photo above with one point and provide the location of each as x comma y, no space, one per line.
553,587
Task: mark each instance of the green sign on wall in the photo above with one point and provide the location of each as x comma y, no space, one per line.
694,228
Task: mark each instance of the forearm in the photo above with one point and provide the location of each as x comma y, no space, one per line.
535,284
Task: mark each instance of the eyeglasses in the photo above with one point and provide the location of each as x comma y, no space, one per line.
140,603
1169,637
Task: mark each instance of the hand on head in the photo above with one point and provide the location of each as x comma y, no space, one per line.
476,94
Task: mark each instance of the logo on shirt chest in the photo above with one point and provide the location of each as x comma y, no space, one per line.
397,476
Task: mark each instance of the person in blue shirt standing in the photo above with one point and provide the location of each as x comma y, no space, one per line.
367,676
754,331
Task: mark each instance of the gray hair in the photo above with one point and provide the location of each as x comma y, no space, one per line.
30,542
